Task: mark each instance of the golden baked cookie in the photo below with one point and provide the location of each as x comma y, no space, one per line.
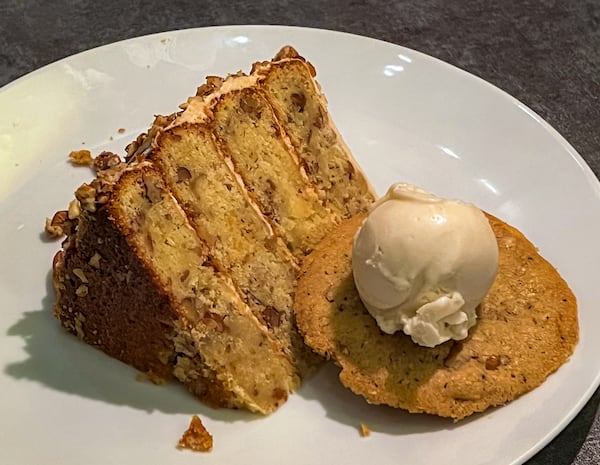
527,328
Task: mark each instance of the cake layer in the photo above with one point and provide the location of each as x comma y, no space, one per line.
227,345
241,240
302,111
288,84
250,135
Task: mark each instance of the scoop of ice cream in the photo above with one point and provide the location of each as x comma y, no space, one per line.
422,264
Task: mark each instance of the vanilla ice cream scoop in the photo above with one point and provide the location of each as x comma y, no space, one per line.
422,264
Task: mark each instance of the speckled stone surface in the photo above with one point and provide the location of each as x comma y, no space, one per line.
545,53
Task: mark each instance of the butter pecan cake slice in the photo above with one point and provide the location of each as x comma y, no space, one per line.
181,260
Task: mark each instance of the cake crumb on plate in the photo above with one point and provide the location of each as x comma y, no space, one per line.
364,430
81,157
196,437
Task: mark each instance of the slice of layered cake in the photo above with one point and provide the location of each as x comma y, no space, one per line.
182,260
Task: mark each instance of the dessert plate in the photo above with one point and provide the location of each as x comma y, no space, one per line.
407,117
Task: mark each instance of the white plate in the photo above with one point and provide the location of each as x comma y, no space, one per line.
406,117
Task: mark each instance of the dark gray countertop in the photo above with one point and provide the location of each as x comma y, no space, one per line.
544,53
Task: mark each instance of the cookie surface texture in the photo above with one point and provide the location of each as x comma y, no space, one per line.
527,328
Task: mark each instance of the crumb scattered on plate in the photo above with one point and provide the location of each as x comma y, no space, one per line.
364,430
196,437
121,130
81,157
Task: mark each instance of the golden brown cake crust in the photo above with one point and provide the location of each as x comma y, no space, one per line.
89,290
527,328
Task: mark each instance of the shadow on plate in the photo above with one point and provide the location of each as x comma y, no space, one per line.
342,405
62,362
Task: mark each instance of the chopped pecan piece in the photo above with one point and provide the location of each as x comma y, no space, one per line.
81,291
272,317
183,174
251,105
74,209
299,101
57,226
94,261
196,437
214,321
106,160
81,157
86,195
495,361
153,192
80,274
